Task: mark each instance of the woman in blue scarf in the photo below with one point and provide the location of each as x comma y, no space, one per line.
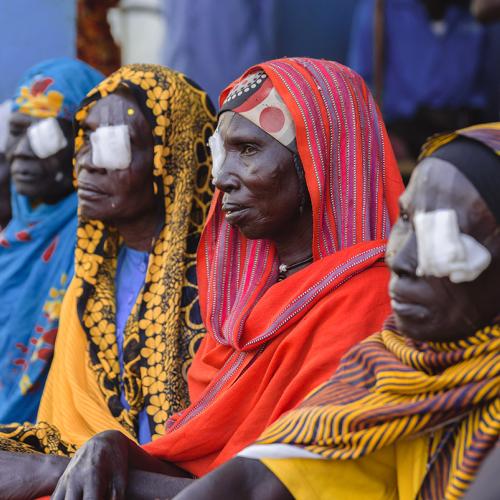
37,246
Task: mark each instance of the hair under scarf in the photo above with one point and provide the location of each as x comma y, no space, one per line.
475,152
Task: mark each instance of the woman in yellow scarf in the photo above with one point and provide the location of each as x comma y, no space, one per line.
130,322
414,410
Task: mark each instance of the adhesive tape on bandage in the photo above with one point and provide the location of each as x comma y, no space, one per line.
5,111
218,154
443,251
46,138
111,147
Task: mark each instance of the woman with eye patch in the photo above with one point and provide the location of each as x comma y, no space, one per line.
130,320
290,270
414,410
37,246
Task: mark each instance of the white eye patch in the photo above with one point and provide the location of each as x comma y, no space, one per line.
46,138
218,154
5,110
443,251
111,147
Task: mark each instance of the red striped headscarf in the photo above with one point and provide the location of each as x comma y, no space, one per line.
352,179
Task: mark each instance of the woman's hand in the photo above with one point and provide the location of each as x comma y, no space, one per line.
24,476
98,470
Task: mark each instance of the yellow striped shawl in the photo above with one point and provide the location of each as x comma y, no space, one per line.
389,388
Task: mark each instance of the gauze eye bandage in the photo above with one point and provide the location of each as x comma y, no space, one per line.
443,251
111,147
218,154
46,138
5,111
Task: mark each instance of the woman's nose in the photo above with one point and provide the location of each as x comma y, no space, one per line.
22,147
226,179
84,161
402,257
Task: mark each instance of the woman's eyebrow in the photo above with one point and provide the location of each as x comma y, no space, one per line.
241,137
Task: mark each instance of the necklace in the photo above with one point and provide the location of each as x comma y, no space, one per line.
284,268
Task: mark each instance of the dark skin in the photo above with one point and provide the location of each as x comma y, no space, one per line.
125,199
261,187
47,180
430,309
5,210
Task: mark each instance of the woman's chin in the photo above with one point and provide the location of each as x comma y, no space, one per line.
433,329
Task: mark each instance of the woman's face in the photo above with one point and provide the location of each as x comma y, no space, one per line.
431,308
49,179
115,195
258,179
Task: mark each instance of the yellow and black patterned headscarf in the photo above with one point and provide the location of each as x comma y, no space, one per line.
164,329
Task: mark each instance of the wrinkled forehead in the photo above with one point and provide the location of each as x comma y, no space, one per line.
115,109
236,128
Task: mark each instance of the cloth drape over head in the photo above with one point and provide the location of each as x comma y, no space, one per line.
36,251
269,343
82,395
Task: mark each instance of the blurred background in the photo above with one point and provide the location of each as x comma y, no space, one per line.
432,65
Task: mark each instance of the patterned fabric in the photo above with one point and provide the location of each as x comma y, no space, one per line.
288,335
55,88
83,391
256,99
486,133
351,180
38,438
36,259
36,251
161,336
390,388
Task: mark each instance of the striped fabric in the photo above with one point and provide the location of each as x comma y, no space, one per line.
352,179
389,388
485,133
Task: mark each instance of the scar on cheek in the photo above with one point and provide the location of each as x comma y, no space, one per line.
444,251
218,151
46,138
111,147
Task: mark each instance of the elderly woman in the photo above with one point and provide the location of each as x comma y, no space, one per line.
290,270
414,410
130,320
37,247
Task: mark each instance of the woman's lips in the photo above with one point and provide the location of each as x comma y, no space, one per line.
235,217
25,177
409,310
234,212
89,192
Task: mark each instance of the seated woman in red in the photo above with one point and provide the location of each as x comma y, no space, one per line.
290,269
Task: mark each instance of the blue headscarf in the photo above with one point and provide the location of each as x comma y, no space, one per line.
55,88
36,251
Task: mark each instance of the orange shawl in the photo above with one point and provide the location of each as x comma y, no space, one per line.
269,344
